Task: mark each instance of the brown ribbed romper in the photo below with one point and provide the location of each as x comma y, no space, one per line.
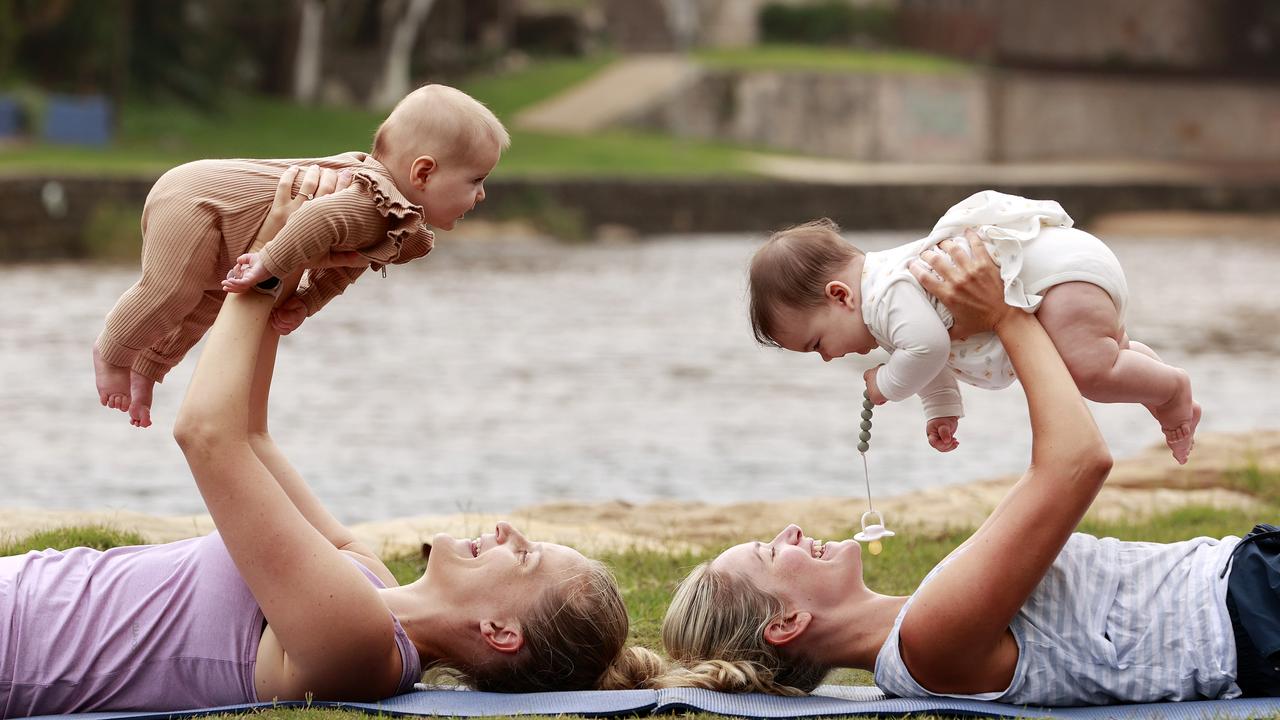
200,216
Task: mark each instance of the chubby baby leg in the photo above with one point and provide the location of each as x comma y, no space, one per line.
1084,324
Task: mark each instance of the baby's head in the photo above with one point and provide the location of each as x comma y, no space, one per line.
440,144
798,273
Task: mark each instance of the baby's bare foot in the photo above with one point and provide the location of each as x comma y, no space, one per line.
1178,419
112,382
140,388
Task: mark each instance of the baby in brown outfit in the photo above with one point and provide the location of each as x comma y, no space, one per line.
429,162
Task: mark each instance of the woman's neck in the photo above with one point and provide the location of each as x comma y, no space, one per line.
418,613
853,634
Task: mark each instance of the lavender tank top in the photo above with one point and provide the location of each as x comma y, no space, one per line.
146,627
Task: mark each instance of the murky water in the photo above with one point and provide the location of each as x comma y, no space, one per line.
500,374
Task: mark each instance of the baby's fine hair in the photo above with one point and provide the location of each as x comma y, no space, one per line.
791,270
440,121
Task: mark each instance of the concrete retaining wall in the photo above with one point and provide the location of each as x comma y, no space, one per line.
980,116
868,117
28,231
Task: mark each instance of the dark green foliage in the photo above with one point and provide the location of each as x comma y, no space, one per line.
831,22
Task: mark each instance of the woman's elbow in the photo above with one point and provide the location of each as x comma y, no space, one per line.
1094,463
194,430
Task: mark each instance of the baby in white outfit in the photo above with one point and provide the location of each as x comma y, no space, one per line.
811,291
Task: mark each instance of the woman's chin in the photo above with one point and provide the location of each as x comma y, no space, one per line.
847,552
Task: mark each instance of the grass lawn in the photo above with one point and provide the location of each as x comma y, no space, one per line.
157,136
647,577
826,59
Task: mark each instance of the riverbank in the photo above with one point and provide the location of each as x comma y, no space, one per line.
1228,471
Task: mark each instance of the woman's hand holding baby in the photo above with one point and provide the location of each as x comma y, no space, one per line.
248,270
967,281
317,182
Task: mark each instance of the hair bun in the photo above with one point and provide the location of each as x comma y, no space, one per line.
635,668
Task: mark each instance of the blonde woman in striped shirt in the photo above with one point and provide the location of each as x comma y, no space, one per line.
1026,611
428,166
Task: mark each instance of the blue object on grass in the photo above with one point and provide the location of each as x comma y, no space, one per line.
78,119
10,117
827,701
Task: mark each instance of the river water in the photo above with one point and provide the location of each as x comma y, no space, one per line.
499,374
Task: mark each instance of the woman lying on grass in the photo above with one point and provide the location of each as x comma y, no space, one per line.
281,601
1026,611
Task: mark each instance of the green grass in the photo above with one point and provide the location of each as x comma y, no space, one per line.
619,153
647,577
826,59
510,92
157,136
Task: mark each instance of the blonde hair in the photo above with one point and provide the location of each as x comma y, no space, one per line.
573,640
437,120
714,631
791,270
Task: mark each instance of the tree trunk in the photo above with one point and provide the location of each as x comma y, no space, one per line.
405,24
307,59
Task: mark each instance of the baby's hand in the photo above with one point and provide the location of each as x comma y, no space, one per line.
288,315
247,272
876,396
942,433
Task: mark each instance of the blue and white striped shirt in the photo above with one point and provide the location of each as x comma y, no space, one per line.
1111,621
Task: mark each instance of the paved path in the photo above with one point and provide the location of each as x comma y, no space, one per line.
619,91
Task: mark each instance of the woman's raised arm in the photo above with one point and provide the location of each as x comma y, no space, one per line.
335,630
317,184
959,621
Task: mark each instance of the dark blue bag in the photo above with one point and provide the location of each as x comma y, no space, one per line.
1253,601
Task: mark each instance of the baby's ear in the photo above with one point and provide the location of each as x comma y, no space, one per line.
838,291
421,169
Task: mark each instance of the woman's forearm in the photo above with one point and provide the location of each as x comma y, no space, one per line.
216,407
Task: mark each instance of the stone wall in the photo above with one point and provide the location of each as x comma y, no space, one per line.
865,117
51,217
29,232
1101,34
1072,117
974,117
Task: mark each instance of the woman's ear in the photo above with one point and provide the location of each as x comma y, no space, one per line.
420,171
501,636
787,628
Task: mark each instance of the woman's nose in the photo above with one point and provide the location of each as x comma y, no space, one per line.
790,535
506,532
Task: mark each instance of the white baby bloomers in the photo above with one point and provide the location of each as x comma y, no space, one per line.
1036,248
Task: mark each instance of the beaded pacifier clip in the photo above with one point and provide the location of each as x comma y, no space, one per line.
872,532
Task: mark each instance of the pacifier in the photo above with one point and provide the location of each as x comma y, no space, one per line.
872,532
